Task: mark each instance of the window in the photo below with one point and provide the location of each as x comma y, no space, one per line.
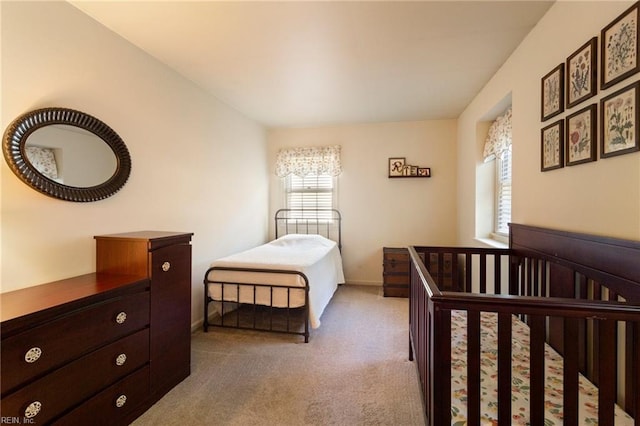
503,192
310,179
310,192
497,148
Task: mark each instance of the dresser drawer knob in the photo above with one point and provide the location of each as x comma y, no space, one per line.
33,354
121,317
122,399
121,359
166,266
32,409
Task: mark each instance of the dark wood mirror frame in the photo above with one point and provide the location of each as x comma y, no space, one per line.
13,148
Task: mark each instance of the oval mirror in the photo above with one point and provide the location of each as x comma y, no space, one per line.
66,154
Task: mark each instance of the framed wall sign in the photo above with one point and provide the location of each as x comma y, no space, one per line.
396,166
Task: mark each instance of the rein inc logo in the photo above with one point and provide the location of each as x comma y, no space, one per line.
17,421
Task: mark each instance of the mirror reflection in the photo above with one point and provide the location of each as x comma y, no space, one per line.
70,155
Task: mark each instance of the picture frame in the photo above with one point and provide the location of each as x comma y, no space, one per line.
413,170
619,118
619,48
552,146
397,166
580,136
424,171
552,93
581,73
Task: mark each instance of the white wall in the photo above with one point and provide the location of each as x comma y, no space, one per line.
378,211
601,197
197,165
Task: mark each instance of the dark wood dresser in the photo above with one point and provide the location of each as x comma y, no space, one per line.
100,348
76,350
165,259
395,272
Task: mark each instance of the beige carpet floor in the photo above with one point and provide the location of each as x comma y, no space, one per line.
353,371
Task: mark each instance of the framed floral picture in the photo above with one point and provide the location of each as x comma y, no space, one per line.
552,146
581,73
580,136
619,115
396,166
619,47
553,93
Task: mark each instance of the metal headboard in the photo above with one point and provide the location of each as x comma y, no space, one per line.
325,222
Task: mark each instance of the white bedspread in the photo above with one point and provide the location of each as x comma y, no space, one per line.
314,255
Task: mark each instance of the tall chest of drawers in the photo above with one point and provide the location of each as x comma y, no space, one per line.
165,259
76,351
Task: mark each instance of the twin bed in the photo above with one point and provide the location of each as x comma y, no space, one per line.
281,286
545,332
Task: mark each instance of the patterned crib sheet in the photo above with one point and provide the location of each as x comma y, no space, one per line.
588,398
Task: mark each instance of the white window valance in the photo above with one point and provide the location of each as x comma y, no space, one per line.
499,137
317,160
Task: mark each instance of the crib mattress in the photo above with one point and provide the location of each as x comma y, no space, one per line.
314,255
588,398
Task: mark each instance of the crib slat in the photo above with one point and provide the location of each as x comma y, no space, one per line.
543,279
537,325
483,273
570,394
473,368
632,357
441,371
455,279
504,368
607,385
497,274
536,279
468,269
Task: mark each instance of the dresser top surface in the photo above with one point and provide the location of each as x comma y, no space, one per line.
19,303
147,235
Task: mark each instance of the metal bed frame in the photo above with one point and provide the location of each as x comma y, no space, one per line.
325,222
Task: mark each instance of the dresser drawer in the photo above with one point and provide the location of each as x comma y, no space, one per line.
67,386
27,355
117,405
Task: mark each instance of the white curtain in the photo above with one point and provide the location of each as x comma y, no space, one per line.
318,160
499,137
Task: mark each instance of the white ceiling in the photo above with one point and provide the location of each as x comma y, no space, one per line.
293,64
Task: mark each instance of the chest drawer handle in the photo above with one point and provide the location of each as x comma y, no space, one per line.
166,266
33,354
122,399
121,317
32,409
121,359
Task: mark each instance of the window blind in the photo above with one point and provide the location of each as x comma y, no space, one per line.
311,192
503,192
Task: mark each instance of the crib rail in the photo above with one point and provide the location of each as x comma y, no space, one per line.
585,313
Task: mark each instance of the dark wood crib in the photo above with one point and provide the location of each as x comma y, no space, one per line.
577,294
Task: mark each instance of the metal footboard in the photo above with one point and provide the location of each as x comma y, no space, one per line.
252,316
